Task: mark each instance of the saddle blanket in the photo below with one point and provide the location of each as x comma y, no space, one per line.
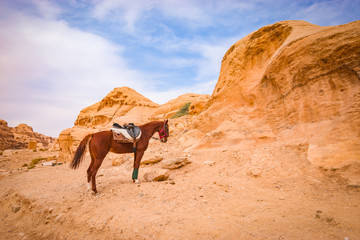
126,135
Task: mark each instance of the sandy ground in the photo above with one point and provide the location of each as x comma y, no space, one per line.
253,191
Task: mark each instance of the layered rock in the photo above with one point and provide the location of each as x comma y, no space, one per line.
169,109
120,105
7,139
293,82
22,136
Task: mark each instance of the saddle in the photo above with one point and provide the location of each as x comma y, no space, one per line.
129,133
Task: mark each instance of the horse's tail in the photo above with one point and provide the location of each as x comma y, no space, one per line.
79,154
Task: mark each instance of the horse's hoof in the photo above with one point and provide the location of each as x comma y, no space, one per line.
136,181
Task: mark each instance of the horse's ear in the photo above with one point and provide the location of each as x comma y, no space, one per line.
166,121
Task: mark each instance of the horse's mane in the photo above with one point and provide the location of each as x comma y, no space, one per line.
151,123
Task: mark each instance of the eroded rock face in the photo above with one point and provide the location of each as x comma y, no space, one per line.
20,136
169,109
293,82
119,103
7,139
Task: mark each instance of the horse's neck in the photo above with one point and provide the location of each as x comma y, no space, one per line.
152,127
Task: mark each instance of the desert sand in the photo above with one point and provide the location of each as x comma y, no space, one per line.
265,191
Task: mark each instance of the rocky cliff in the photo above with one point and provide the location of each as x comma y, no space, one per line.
169,109
291,82
20,137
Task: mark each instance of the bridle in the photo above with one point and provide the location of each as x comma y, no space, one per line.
163,132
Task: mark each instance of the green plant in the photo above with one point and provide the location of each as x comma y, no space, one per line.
184,110
34,162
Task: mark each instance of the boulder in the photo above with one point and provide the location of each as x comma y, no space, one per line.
119,159
157,175
15,209
175,163
151,159
210,163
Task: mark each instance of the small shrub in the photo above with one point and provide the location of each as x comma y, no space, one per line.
24,165
184,110
36,161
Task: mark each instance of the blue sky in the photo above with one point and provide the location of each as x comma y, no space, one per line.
58,57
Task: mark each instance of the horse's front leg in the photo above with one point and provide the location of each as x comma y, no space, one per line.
137,159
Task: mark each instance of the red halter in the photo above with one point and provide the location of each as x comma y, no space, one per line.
163,132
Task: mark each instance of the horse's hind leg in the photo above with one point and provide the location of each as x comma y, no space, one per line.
89,172
94,170
99,148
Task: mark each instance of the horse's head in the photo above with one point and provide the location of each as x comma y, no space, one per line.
164,132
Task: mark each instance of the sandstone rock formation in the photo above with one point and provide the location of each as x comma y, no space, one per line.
7,139
122,105
292,82
168,109
20,136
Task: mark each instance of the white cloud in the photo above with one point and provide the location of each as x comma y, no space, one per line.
192,13
126,12
327,13
47,9
162,97
47,66
318,12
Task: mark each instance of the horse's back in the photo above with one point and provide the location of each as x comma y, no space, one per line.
101,138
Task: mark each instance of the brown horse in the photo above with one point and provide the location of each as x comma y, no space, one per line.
101,143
